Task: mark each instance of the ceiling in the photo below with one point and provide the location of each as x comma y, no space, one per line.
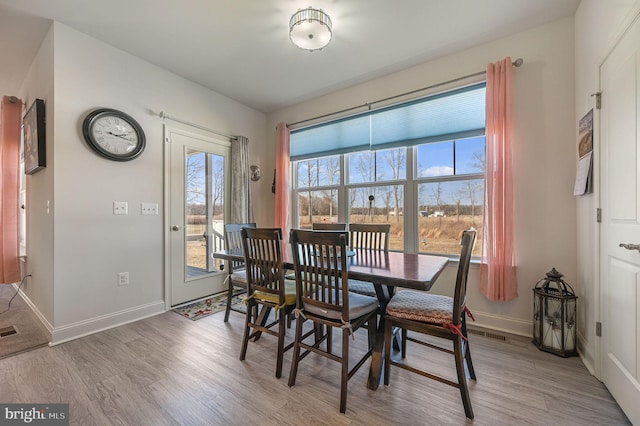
241,48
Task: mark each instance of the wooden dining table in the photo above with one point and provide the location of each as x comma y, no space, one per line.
387,271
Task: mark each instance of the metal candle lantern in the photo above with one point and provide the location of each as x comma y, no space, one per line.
554,315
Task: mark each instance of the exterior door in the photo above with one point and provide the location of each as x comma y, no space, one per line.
198,166
620,198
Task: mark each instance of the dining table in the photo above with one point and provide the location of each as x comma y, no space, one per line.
387,271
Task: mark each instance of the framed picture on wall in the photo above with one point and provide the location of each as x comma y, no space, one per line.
33,128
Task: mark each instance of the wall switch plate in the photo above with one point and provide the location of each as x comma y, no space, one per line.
120,207
149,208
123,278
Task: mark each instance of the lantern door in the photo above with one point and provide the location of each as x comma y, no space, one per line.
620,198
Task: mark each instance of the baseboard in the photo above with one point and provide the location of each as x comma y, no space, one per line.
501,324
46,324
93,325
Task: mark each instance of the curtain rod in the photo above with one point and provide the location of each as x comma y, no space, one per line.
517,63
166,117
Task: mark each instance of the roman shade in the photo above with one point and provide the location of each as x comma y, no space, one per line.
455,114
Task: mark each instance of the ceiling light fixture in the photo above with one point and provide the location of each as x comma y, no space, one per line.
310,29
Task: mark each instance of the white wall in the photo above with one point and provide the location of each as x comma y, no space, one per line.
544,153
88,244
39,84
598,24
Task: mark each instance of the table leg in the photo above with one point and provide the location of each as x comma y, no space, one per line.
377,357
384,294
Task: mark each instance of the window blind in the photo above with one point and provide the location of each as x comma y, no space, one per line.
454,114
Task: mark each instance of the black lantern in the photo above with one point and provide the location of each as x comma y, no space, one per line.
554,315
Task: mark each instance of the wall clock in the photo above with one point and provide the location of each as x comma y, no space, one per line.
113,134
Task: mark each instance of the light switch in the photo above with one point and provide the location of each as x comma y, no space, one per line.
120,207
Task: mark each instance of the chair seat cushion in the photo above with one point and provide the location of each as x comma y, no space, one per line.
289,294
359,305
421,306
362,287
239,276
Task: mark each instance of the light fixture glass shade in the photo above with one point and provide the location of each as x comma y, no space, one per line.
310,29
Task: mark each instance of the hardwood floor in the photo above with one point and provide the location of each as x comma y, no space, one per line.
168,370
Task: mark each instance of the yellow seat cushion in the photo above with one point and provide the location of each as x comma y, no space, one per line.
289,294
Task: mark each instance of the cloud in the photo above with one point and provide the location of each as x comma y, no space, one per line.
437,171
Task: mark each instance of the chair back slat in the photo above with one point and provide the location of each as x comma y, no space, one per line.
370,236
328,226
321,270
233,240
459,297
263,261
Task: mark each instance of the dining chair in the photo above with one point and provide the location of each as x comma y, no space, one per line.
328,226
323,297
368,237
434,315
237,278
267,288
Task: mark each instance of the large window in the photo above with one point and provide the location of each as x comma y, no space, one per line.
418,166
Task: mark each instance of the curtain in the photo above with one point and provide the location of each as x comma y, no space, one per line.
241,211
283,172
498,280
10,122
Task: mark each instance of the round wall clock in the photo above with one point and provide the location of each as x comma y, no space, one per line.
113,134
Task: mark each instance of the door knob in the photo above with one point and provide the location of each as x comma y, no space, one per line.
630,246
176,227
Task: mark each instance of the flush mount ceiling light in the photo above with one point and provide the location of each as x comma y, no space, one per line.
310,29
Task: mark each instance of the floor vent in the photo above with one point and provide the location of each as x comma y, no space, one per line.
7,331
487,334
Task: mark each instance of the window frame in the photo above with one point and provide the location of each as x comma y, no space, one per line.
410,186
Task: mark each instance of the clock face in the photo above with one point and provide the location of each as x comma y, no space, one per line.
113,134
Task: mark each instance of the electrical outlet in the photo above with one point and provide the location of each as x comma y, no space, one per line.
120,207
149,208
123,278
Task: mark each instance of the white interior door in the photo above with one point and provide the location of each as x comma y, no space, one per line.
198,189
620,267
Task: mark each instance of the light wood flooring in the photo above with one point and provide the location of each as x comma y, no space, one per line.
168,370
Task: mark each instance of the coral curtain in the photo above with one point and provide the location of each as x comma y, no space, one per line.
10,122
498,279
241,211
283,172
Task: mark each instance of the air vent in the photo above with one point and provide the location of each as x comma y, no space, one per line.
7,331
487,334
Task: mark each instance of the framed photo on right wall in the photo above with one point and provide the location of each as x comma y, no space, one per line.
33,127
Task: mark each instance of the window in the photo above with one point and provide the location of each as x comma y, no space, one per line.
418,166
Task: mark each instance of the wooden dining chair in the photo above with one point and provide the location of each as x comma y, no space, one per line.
267,288
328,226
323,297
439,316
368,237
237,278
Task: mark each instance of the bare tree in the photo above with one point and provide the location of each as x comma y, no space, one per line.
436,196
217,183
195,178
395,159
478,161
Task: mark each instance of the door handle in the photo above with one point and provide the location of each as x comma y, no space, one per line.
630,246
175,227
